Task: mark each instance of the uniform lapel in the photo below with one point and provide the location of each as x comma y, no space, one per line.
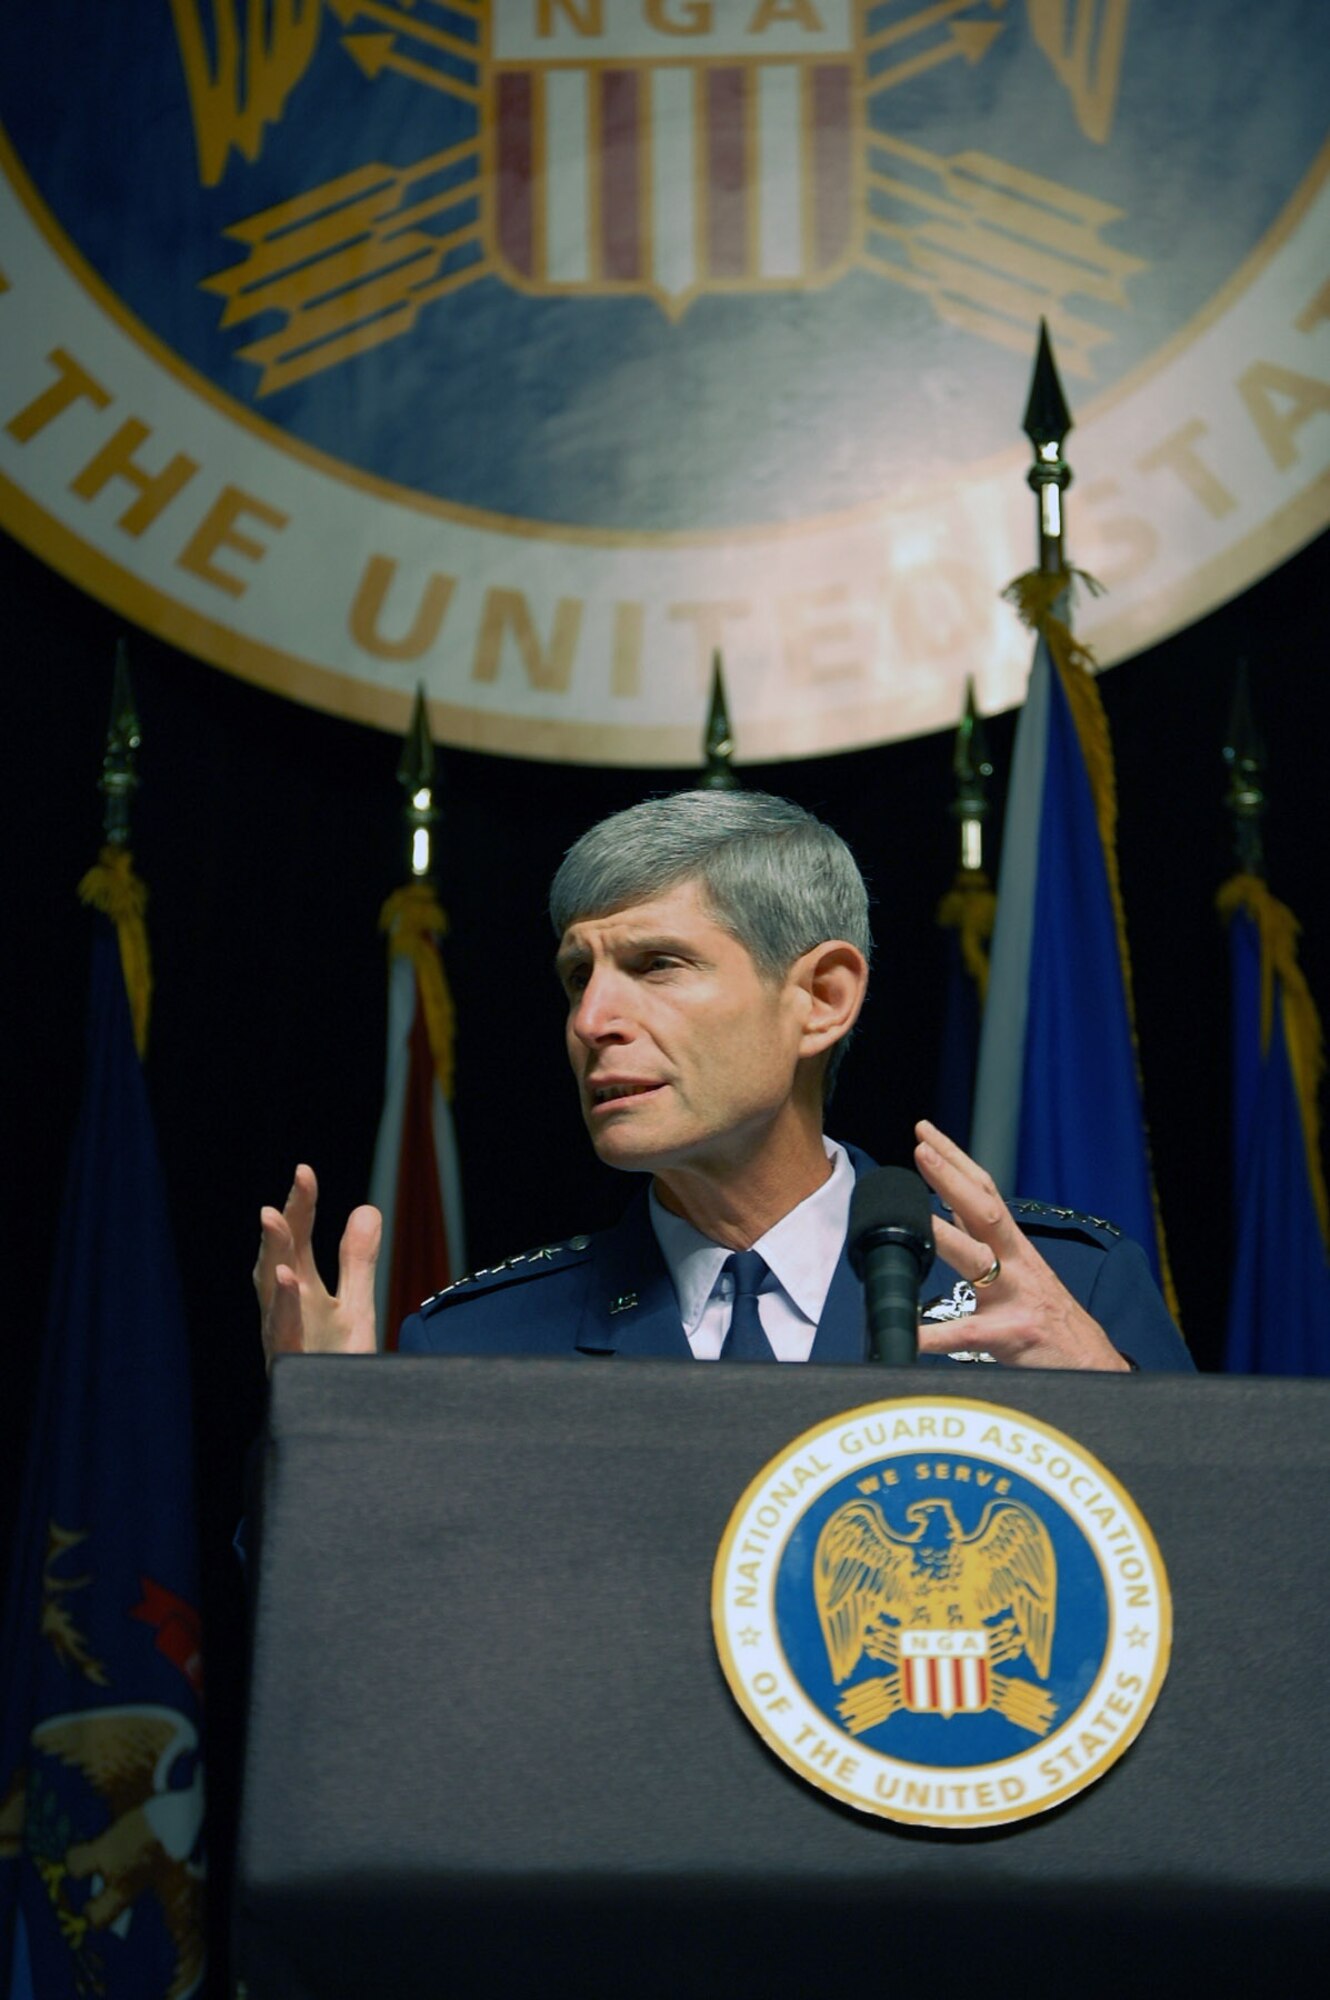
631,1307
840,1331
842,1335
630,1304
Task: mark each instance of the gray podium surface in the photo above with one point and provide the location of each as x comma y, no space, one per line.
491,1748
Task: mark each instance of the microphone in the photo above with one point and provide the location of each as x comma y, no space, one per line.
890,1243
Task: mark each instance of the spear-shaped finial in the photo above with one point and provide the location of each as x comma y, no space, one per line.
718,773
1244,753
119,780
415,774
972,770
1047,421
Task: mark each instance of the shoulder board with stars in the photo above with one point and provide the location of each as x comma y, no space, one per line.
1040,1213
526,1264
1044,1215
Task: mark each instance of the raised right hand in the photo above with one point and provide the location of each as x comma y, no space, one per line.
298,1314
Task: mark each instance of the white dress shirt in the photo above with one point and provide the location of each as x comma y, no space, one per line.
801,1252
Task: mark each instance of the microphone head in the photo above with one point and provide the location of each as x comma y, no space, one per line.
890,1205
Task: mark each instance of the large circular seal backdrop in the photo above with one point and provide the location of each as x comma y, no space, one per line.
534,350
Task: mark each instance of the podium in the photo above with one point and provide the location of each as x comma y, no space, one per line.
491,1750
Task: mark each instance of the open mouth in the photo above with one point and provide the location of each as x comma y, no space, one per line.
613,1093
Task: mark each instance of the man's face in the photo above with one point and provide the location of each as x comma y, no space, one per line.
683,1053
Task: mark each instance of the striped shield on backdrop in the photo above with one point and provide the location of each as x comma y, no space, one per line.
617,169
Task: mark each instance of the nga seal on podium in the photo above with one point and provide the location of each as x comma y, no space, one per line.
942,1612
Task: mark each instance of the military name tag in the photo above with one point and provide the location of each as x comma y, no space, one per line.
942,1612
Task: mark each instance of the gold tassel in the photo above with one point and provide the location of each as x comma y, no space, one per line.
413,918
969,907
1035,596
1279,931
113,888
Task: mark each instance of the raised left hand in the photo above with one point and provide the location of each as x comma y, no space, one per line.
1026,1318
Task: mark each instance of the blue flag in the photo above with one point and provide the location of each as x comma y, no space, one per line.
1058,1109
1279,1300
101,1777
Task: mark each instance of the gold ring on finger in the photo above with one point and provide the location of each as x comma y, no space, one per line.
988,1277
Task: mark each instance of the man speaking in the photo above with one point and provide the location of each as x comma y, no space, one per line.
713,952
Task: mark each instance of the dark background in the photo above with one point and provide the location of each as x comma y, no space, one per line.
269,836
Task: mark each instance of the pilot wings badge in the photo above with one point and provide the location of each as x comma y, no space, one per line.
942,1612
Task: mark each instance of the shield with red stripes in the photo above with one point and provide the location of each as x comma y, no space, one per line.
944,1672
617,166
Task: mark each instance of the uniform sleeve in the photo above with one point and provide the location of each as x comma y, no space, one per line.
1127,1304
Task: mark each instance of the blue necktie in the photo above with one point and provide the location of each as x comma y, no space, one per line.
746,1340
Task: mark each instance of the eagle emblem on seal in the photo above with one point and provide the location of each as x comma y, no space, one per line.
945,1612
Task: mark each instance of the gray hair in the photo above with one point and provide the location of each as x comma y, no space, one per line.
777,879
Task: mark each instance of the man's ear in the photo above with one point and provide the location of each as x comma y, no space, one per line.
832,979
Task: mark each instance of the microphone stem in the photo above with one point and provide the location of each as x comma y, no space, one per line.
891,1282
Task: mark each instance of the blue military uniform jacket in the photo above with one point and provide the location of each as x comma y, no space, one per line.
611,1294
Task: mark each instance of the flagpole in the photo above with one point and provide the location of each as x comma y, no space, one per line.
415,1181
416,775
102,1861
1279,1293
999,1077
718,773
1244,754
1058,1100
1046,423
124,739
971,768
1245,901
112,886
965,915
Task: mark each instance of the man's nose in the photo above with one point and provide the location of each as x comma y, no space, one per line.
599,1015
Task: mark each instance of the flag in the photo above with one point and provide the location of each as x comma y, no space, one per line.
1058,1105
965,915
101,1775
415,1181
1279,1300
